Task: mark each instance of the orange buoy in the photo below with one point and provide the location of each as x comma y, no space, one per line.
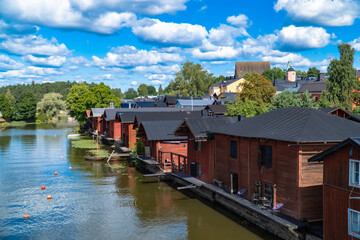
26,216
70,167
42,187
48,197
55,173
62,157
54,135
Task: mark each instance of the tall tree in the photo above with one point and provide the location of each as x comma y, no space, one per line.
26,108
143,90
247,107
160,90
104,96
151,90
292,99
5,107
117,92
10,97
51,104
342,82
130,93
191,80
313,72
274,73
79,100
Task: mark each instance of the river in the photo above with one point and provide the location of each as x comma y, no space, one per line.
93,201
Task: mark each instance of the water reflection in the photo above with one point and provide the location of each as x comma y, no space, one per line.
93,201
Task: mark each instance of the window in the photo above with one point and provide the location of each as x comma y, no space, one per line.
265,156
197,146
354,171
199,170
195,169
353,223
233,149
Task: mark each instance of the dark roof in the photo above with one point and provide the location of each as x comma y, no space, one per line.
229,95
291,69
294,125
127,104
170,100
144,104
313,87
250,67
194,102
217,109
224,82
158,116
160,104
354,141
126,117
97,112
328,109
160,130
201,127
110,113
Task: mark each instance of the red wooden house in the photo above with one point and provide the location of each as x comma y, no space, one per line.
96,119
314,88
128,133
267,155
162,145
201,144
341,211
113,125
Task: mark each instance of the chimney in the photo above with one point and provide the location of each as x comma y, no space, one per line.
241,117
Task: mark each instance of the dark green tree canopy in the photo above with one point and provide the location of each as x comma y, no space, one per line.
292,99
5,107
274,73
130,94
313,72
151,90
143,90
25,109
160,90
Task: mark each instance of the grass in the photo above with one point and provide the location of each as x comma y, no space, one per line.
99,153
84,144
18,123
117,166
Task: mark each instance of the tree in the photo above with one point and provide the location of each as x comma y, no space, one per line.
274,73
191,80
292,99
26,108
257,88
5,107
130,94
160,90
313,72
151,90
306,101
104,96
10,97
342,82
247,107
117,92
51,104
143,90
79,100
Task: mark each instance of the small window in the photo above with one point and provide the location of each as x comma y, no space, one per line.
233,149
353,223
197,146
265,156
354,170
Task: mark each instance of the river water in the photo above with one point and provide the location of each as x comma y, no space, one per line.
91,200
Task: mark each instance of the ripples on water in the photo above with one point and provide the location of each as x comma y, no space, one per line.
92,201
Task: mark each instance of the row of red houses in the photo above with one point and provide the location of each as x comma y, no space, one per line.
278,155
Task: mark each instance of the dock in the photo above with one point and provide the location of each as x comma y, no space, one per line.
125,149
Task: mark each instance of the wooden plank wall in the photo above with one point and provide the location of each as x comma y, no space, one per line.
203,157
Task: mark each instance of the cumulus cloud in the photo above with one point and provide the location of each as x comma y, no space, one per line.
34,45
171,69
321,12
134,83
107,76
225,35
293,38
52,61
239,21
16,29
129,56
356,44
297,60
30,72
103,17
154,30
7,63
217,54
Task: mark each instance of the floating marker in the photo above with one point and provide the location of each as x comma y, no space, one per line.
26,216
62,157
48,197
55,173
42,187
70,168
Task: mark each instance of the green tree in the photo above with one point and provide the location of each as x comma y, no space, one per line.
274,73
130,94
313,72
306,101
247,107
51,104
285,99
104,96
160,90
10,97
26,108
5,107
117,92
151,90
79,100
191,80
143,90
342,81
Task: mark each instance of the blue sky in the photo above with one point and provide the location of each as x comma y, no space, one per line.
128,42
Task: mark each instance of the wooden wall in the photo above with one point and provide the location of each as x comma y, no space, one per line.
205,157
129,134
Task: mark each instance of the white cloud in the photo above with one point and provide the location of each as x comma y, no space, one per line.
107,76
34,45
297,60
225,35
293,38
153,30
7,63
203,8
171,69
239,21
356,44
134,83
16,29
218,53
129,56
321,12
104,16
52,61
29,72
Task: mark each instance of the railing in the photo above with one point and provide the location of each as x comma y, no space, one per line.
172,162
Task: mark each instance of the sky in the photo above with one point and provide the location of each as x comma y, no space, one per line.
125,43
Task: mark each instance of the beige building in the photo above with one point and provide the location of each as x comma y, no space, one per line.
291,75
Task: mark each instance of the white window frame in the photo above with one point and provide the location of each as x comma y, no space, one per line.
350,232
351,183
